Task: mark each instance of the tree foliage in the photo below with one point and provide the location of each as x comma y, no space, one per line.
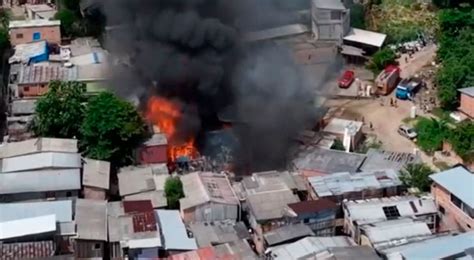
431,134
338,145
69,21
456,51
417,176
462,140
60,111
358,16
112,128
173,191
381,59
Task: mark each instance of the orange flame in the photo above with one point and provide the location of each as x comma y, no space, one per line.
166,115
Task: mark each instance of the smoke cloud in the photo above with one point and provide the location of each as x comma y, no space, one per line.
191,51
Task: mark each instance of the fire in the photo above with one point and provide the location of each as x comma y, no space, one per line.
166,115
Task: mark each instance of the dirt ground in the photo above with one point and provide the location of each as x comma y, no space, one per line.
386,119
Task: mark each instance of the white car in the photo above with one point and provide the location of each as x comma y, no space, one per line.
407,131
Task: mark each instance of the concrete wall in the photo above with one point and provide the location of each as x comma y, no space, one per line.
329,24
467,105
453,218
51,34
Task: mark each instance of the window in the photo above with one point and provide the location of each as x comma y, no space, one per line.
456,201
335,15
19,35
96,246
26,89
442,210
68,194
36,36
412,204
391,212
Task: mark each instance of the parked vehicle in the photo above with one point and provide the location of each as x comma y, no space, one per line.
387,80
407,131
407,88
347,78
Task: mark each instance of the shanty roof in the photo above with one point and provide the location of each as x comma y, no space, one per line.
174,232
270,204
394,232
443,247
92,72
204,187
33,23
338,126
327,161
352,253
345,182
379,160
233,250
287,233
329,4
40,181
459,182
61,209
96,173
271,180
28,250
27,226
37,145
365,37
157,198
91,219
375,210
277,32
468,91
94,57
218,232
23,106
135,180
156,139
45,73
309,246
312,206
46,160
24,52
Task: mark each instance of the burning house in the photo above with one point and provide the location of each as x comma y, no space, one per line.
188,66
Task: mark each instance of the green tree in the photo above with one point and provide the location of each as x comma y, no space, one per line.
72,5
5,17
69,21
381,59
111,130
338,145
60,111
431,134
358,16
416,175
173,191
462,140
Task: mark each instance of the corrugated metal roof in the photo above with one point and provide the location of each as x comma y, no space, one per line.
277,32
287,233
329,4
37,145
371,210
27,250
91,219
457,181
44,74
436,248
96,173
135,180
328,161
62,209
203,187
270,205
157,198
174,232
468,91
365,37
40,181
308,246
395,232
379,160
218,232
33,23
352,253
27,226
312,206
46,160
345,182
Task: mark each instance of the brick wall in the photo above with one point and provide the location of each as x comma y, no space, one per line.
467,105
32,90
453,217
51,34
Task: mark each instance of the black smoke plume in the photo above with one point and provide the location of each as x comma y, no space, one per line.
192,52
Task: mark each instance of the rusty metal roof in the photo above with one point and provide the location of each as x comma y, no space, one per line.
27,250
45,74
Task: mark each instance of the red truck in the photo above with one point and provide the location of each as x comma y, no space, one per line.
346,80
